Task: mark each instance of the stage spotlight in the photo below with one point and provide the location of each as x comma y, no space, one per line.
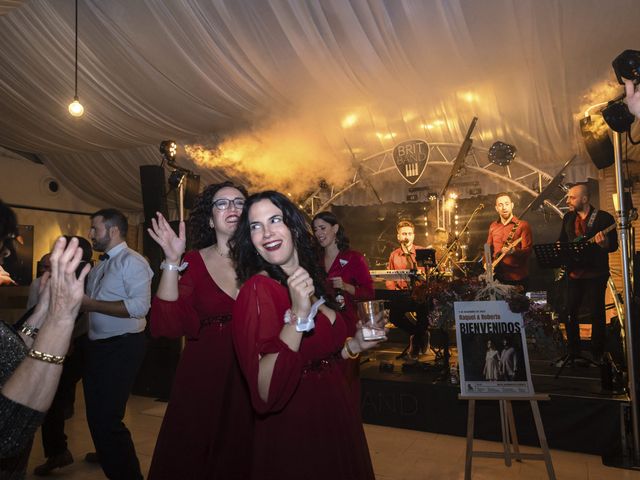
168,150
618,116
627,65
502,154
596,139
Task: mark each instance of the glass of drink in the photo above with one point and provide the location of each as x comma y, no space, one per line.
373,316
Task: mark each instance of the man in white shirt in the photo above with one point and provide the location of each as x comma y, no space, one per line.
118,298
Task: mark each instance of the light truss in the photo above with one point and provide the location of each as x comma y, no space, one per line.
518,174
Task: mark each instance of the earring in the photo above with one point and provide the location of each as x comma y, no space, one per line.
211,223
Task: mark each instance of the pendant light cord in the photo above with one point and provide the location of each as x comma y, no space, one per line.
76,79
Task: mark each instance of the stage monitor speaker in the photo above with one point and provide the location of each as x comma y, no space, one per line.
597,141
154,191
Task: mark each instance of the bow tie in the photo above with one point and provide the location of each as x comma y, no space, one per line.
103,257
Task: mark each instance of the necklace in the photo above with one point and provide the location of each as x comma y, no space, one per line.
223,255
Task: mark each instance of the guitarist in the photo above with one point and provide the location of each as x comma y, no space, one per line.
510,238
586,286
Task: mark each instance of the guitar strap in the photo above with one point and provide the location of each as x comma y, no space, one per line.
592,219
511,233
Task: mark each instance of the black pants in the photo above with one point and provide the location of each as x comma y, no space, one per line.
54,439
110,373
418,329
587,293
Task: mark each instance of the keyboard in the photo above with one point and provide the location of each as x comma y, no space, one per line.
391,274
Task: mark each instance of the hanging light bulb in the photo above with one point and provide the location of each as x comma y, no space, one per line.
75,108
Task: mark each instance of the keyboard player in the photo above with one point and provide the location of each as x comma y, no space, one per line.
404,258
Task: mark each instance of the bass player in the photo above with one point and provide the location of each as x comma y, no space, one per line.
587,285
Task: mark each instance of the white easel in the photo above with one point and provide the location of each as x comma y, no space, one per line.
510,446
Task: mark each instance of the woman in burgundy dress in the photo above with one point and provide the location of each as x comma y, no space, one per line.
347,278
207,429
306,425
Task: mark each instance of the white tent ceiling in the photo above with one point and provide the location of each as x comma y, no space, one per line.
290,92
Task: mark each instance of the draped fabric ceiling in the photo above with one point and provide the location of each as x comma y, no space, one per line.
286,93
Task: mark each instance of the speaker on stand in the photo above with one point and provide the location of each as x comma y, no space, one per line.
158,368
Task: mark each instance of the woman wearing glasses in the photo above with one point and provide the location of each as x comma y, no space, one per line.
291,352
206,431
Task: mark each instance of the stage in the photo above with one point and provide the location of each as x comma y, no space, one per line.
579,417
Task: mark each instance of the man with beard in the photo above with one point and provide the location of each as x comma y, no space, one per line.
404,258
587,285
504,237
118,298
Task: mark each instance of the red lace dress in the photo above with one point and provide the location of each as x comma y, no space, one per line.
308,429
207,429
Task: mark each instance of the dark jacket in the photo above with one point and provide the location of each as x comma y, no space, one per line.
599,262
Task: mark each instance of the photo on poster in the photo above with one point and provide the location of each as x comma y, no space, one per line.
492,350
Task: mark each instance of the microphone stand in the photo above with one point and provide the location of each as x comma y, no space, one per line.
455,241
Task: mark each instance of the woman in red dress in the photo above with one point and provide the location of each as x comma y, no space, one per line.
207,429
347,276
306,425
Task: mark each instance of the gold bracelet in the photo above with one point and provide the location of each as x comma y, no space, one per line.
46,357
350,354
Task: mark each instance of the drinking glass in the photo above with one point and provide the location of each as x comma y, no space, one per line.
373,316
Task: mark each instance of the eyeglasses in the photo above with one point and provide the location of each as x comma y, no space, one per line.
225,203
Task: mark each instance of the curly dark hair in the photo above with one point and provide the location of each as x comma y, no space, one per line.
246,258
201,234
342,241
8,221
8,228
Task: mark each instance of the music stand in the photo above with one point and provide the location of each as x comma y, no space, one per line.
570,256
563,254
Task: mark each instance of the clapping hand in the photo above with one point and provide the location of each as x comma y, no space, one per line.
65,289
172,245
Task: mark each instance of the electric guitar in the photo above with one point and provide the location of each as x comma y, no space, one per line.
583,239
562,272
503,254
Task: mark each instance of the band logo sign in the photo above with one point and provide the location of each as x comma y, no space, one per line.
410,158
